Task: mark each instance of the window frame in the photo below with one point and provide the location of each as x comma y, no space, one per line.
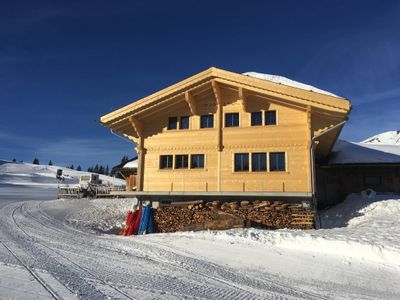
266,119
191,161
185,162
166,156
180,122
261,118
235,155
252,162
169,123
270,154
232,115
207,116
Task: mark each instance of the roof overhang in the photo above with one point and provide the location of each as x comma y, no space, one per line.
124,116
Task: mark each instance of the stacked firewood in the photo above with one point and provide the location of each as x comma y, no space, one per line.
197,215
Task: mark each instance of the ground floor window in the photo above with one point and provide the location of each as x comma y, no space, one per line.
197,161
181,161
277,161
166,162
259,162
241,162
231,119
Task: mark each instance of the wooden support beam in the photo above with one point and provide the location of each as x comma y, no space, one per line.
217,92
191,102
137,125
242,98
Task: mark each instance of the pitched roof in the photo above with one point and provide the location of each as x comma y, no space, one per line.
277,90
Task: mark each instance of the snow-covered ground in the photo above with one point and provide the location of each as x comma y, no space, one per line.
58,249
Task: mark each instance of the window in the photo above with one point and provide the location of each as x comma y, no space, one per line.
184,124
166,162
241,162
270,117
207,121
232,120
277,161
256,118
181,161
197,161
172,123
259,162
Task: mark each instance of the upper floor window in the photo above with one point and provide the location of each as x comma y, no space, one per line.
166,162
241,162
172,123
259,162
277,161
207,121
231,119
181,161
184,123
256,118
270,117
197,161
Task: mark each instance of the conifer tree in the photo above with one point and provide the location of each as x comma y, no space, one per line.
50,163
14,160
36,161
78,168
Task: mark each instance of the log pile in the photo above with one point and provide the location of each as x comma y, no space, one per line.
197,215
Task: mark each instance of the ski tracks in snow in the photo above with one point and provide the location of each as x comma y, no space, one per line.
99,266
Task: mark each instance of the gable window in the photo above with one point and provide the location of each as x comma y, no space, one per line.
166,162
232,120
259,162
270,117
172,123
207,121
181,161
241,162
184,123
256,118
277,161
197,161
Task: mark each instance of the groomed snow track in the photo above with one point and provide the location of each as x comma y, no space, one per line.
100,266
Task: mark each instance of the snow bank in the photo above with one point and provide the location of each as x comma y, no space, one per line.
95,215
288,82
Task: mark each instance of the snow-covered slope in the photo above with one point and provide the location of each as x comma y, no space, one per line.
25,174
385,138
288,82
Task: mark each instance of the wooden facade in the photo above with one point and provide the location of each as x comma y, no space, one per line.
231,99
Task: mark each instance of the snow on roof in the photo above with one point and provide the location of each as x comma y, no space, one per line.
345,152
288,82
385,138
131,164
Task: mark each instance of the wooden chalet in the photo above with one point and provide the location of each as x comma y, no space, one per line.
220,135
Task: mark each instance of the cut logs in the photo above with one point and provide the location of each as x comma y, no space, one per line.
197,215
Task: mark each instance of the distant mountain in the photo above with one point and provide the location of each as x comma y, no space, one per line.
386,138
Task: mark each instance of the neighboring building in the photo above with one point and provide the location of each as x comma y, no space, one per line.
128,171
224,135
354,167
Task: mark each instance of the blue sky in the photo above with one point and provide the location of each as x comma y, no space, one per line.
64,64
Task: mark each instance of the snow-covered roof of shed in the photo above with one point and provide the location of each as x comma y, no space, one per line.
131,164
288,82
385,138
345,152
